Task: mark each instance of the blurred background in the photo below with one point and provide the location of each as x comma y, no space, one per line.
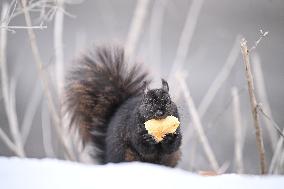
198,40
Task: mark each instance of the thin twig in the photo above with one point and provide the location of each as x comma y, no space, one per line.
238,131
3,38
222,76
185,37
30,112
59,66
197,124
136,28
261,91
58,47
217,83
193,150
155,39
14,5
274,124
262,35
44,80
281,164
46,132
11,13
7,141
8,98
23,27
253,103
276,156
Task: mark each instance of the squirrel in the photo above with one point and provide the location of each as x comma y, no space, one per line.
109,101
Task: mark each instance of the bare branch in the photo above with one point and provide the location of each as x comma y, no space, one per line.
23,27
136,28
253,103
274,125
58,47
186,36
281,164
30,112
276,156
14,5
275,162
44,80
59,70
7,141
46,132
155,38
197,124
261,91
238,131
220,79
12,28
8,98
217,83
262,35
11,13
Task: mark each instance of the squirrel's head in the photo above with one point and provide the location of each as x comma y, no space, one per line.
157,103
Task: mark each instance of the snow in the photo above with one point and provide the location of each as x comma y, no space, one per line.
51,173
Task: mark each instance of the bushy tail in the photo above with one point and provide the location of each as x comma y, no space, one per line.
99,82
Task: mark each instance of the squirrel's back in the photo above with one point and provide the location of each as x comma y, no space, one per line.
99,82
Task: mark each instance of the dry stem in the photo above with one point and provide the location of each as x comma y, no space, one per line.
58,47
155,39
7,141
197,125
261,91
185,37
136,28
46,132
276,156
44,80
7,96
238,131
253,103
30,112
220,79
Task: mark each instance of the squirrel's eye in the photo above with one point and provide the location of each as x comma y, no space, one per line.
167,98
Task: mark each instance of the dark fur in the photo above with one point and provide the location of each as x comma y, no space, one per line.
109,103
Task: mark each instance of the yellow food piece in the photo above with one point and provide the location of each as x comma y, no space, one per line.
158,128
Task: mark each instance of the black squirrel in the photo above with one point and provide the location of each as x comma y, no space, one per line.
109,101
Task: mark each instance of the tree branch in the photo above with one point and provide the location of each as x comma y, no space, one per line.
238,131
253,103
197,125
44,80
261,91
7,96
136,28
185,37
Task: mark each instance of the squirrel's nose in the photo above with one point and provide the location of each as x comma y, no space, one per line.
159,113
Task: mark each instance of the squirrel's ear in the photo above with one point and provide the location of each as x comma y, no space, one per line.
145,87
165,85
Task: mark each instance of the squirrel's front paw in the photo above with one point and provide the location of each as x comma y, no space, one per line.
149,139
147,145
171,142
169,138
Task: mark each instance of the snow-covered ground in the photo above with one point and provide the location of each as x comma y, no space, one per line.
52,174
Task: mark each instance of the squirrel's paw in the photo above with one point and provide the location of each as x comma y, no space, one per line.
171,142
149,139
169,138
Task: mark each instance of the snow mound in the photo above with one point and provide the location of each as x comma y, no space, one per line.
49,173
